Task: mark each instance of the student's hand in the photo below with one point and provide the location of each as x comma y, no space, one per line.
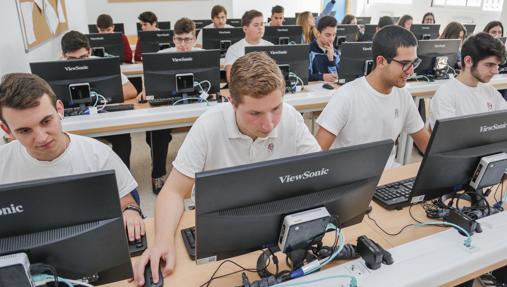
329,78
154,255
330,52
134,223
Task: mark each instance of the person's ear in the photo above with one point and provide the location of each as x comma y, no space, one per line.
60,108
468,60
6,129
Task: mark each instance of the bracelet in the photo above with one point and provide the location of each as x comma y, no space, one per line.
135,208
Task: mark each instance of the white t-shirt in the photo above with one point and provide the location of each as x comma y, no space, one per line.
214,141
173,50
453,98
359,114
209,26
237,50
83,155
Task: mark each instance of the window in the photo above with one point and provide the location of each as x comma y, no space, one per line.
390,1
486,5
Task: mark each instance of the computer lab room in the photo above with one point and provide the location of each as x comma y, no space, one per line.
237,143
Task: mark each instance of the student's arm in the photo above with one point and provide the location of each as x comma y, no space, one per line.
168,211
325,138
132,220
137,53
127,51
129,91
228,72
421,139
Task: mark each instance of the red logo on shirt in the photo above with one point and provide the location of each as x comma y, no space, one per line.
490,106
271,146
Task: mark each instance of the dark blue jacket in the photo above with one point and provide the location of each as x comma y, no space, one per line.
320,64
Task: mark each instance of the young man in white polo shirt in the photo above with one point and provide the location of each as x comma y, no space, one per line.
253,26
377,106
256,126
219,20
469,92
31,114
277,16
183,37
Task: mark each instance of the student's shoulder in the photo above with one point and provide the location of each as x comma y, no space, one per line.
88,143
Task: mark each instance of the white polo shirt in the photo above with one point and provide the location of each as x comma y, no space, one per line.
237,50
453,98
209,26
358,114
173,50
214,141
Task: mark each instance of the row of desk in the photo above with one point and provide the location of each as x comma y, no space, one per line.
488,256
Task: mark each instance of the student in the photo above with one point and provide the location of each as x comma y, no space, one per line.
454,30
256,126
378,106
406,21
31,114
470,93
494,28
105,25
384,21
349,19
253,26
324,58
76,46
307,22
149,22
183,37
277,17
219,20
428,18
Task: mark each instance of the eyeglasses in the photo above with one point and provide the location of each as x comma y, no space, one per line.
407,64
186,40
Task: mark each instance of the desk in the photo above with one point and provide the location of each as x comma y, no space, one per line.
187,273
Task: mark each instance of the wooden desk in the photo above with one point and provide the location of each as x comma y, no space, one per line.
187,273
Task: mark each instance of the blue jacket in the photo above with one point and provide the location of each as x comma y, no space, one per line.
320,64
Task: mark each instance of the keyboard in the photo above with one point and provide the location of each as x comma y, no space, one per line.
394,195
68,112
188,235
164,101
117,107
137,246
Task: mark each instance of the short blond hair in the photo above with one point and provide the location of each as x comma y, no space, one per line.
255,75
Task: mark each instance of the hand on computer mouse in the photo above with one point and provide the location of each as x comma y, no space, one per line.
329,78
149,277
154,257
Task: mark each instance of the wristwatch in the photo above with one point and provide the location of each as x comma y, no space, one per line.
135,208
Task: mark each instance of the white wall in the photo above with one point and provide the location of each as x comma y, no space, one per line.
419,7
14,57
290,6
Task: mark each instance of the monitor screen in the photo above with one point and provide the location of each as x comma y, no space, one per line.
296,56
154,41
162,25
201,23
425,31
102,74
161,69
429,51
234,22
283,35
346,33
221,38
356,60
250,211
455,148
64,223
118,27
470,28
286,21
363,20
110,42
369,32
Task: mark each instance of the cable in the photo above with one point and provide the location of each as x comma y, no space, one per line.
353,281
298,79
103,99
43,279
253,270
468,241
191,98
199,84
388,233
40,269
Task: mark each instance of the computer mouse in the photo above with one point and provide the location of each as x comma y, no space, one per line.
328,86
148,280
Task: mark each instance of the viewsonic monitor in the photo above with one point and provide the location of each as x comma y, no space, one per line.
111,43
296,56
102,74
234,22
161,70
162,25
221,38
283,35
73,223
286,21
201,23
369,32
250,211
425,31
118,27
470,28
363,20
433,51
356,60
346,33
154,41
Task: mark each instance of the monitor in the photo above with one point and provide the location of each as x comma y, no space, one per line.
154,41
346,33
296,56
172,74
286,21
234,22
250,211
101,74
437,55
118,27
363,20
369,32
470,29
425,31
106,45
64,223
454,151
162,25
201,23
395,19
283,35
356,60
221,38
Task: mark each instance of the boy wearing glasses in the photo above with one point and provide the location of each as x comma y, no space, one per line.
469,92
378,106
184,37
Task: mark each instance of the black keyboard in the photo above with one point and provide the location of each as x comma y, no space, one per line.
68,112
188,235
117,107
164,101
394,195
137,246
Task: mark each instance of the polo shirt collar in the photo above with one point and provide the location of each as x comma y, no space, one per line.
232,129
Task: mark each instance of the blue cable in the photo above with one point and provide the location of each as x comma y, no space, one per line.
468,241
353,281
